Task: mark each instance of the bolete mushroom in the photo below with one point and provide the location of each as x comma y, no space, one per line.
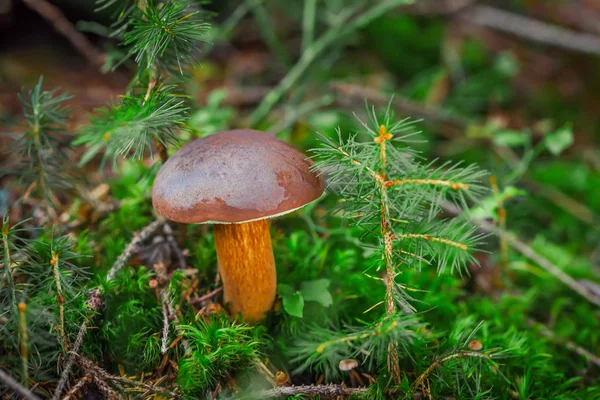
237,180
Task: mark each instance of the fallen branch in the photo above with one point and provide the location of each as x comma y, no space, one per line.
78,386
570,345
532,29
54,15
207,296
530,253
16,386
516,24
95,370
330,390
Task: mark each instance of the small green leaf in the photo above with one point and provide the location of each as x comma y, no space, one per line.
556,142
294,304
317,290
510,138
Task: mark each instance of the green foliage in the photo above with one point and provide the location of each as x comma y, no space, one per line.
41,148
331,256
132,321
293,301
320,349
40,299
410,199
161,37
559,140
218,347
164,33
130,127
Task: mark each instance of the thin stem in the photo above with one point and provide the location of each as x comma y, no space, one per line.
319,46
95,370
308,23
59,298
8,264
569,344
171,312
376,332
430,238
393,363
24,342
268,32
463,354
165,332
501,223
436,182
77,386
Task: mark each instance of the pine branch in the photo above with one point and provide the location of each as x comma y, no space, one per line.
130,127
167,34
388,192
16,386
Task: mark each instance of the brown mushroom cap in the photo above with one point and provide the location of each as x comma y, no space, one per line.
232,177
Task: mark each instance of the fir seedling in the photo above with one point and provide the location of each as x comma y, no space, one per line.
395,196
162,38
40,287
41,148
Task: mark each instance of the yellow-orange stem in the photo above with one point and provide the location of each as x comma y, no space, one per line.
247,268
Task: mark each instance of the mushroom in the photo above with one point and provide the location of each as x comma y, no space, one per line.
237,180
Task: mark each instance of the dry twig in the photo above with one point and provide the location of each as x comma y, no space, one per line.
53,15
138,239
569,344
95,370
329,390
532,29
72,394
16,386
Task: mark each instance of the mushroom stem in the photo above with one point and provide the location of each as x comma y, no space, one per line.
247,267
